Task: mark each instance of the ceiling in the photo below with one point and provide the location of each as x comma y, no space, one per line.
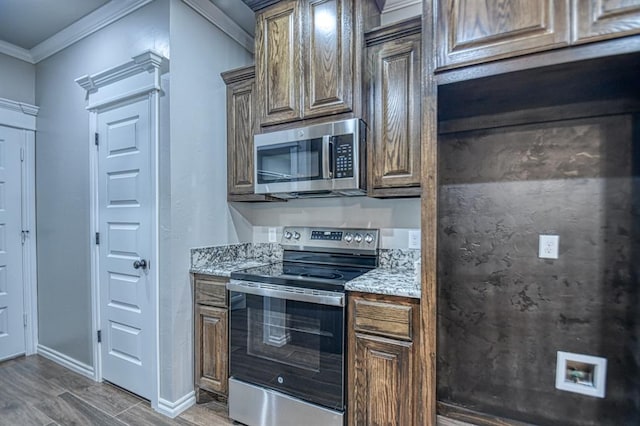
27,23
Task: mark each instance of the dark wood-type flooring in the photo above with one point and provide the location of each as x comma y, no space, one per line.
36,391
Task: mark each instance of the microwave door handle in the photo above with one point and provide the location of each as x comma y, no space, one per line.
327,157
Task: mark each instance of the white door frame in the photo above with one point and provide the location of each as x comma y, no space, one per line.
22,116
131,81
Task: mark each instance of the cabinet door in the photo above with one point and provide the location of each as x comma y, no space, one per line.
328,59
211,345
240,130
595,20
278,64
474,31
394,140
383,382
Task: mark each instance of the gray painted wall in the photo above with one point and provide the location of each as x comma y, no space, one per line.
17,80
503,313
62,173
196,212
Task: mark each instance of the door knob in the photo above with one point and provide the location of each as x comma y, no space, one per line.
140,264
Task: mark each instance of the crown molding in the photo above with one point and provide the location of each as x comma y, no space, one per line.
86,26
96,20
217,17
16,52
147,61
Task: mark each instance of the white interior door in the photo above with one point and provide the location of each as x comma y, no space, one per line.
125,206
12,331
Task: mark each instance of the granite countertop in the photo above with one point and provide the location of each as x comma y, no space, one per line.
224,269
389,281
395,275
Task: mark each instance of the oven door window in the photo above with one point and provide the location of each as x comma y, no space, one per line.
290,162
290,346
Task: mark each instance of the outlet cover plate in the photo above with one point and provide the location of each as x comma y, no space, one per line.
273,236
597,388
548,246
414,239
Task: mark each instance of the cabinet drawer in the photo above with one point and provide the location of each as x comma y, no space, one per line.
383,319
210,291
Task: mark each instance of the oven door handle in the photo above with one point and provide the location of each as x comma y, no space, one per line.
281,292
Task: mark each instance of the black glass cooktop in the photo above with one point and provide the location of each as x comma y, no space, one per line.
321,277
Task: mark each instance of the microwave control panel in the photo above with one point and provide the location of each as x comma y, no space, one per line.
343,156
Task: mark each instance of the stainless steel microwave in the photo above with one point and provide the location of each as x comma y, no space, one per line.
320,160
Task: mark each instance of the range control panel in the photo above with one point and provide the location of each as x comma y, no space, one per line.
326,235
343,239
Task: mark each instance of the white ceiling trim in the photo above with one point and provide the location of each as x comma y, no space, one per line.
217,17
75,32
16,51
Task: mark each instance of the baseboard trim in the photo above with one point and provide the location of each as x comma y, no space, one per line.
173,409
66,361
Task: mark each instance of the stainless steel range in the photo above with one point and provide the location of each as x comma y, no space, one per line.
287,359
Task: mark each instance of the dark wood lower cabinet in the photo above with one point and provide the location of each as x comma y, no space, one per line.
211,336
381,369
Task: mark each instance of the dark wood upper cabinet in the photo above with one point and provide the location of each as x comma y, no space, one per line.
242,124
595,20
394,110
240,137
309,58
473,31
279,70
328,59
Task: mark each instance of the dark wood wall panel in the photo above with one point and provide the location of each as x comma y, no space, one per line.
503,313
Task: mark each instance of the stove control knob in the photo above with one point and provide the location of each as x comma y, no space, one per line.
368,238
296,235
287,235
348,238
358,238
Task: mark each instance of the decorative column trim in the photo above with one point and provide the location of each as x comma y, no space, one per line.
18,114
18,106
147,61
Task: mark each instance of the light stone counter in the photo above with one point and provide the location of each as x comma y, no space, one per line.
393,282
224,269
395,275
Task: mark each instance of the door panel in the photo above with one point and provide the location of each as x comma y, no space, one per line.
12,333
278,72
328,59
472,31
596,20
125,206
394,143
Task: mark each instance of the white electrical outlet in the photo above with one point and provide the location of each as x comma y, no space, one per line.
414,239
548,246
273,236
